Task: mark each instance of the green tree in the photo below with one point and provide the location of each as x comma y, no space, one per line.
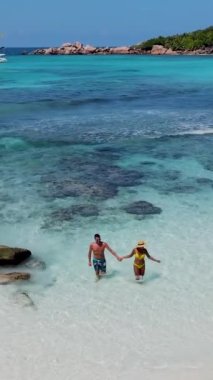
186,41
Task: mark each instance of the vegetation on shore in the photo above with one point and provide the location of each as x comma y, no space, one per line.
187,41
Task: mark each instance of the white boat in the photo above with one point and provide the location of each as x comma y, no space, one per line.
2,58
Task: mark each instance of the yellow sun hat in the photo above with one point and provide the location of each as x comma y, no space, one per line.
141,243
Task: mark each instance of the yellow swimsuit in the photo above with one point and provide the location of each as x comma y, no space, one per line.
139,256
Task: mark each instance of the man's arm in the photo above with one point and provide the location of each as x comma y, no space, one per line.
112,252
152,258
90,255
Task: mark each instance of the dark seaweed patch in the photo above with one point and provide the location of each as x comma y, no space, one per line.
90,175
205,181
148,163
208,164
77,188
142,208
67,214
177,156
181,188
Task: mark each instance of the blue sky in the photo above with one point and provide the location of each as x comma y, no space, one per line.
98,22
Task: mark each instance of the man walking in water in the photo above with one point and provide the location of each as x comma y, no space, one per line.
97,248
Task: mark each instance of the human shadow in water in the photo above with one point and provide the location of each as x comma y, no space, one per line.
152,277
110,274
146,279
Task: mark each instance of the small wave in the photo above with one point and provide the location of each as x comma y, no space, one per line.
193,132
12,143
204,131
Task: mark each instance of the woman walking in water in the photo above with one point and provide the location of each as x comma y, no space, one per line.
139,263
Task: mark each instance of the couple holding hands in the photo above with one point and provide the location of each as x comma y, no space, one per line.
98,247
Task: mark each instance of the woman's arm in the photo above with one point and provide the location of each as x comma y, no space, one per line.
128,256
152,258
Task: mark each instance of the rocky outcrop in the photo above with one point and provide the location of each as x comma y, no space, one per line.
158,50
89,49
7,278
120,50
171,52
161,50
77,48
203,51
13,256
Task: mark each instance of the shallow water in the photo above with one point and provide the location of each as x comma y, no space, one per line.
81,140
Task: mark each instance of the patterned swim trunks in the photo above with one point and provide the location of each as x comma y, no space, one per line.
99,265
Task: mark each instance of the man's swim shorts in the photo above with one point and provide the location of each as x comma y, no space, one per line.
99,265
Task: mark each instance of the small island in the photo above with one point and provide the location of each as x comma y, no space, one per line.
199,42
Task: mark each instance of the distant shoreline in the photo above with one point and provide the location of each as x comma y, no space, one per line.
77,48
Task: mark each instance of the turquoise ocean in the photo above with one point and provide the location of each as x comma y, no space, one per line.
121,146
